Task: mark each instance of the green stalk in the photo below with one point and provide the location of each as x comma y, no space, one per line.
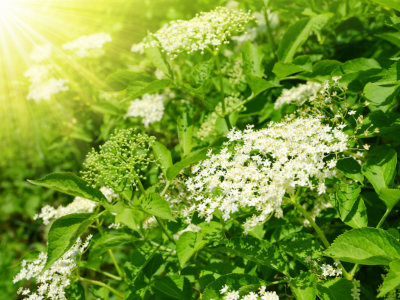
269,32
95,282
221,86
316,227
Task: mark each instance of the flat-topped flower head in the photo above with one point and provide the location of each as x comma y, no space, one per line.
88,45
205,30
150,108
297,95
119,161
264,166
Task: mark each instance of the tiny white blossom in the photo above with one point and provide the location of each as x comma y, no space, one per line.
150,108
297,95
88,45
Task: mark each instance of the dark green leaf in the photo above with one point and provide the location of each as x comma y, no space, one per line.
75,291
344,198
139,260
109,241
70,184
284,231
202,72
392,279
321,70
350,168
99,292
304,286
335,289
357,218
367,246
259,85
300,246
300,64
173,288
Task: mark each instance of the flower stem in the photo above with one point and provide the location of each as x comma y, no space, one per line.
221,86
95,282
315,226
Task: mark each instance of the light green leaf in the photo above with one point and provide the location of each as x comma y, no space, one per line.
259,85
69,183
304,286
392,75
381,170
367,246
154,205
321,70
157,57
389,3
163,155
139,88
357,218
390,196
202,72
109,241
199,93
192,158
120,80
335,289
294,38
235,282
381,96
356,65
126,217
392,37
252,60
259,251
350,168
188,244
63,235
185,134
392,279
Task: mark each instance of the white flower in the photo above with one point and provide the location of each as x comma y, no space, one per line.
352,112
88,45
150,223
38,73
264,166
224,289
270,296
328,270
191,227
108,193
44,90
79,205
115,226
206,29
53,281
150,108
138,48
41,53
297,95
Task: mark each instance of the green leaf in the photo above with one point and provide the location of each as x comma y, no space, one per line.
185,134
392,37
188,244
235,282
335,289
381,170
367,246
392,279
63,235
252,60
388,124
259,251
294,38
390,3
357,218
75,291
169,286
321,70
126,217
356,65
139,259
390,196
212,231
100,292
120,80
139,88
382,96
344,198
300,246
259,85
109,241
192,158
157,57
163,155
304,286
202,72
350,168
154,205
284,231
69,183
107,107
392,76
199,93
300,64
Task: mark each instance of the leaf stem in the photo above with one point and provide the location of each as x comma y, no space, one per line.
162,225
106,274
383,218
221,86
269,33
95,282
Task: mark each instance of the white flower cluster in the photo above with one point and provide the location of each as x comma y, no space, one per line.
206,29
115,226
150,223
41,52
262,294
265,166
150,108
138,48
52,282
234,71
88,45
79,205
318,204
297,95
328,270
108,193
43,84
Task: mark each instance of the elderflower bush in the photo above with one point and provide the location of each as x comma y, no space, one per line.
264,169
